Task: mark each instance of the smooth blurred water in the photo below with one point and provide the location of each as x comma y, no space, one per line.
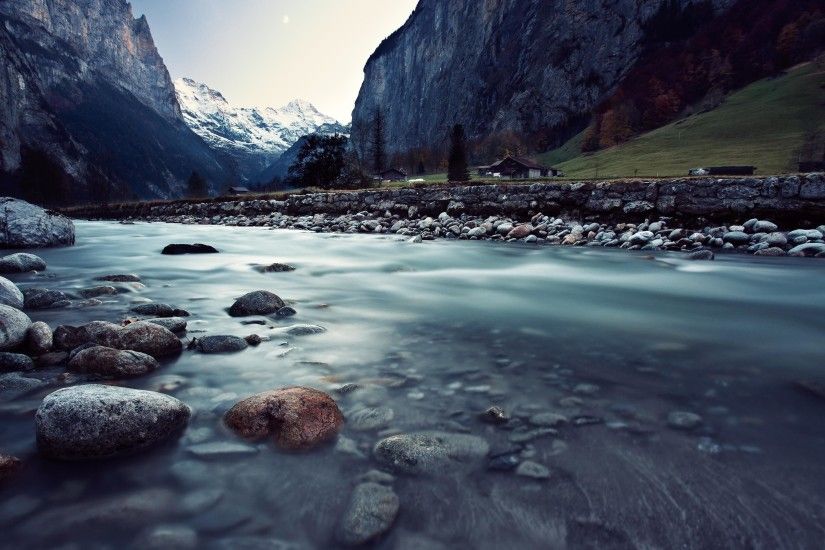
440,331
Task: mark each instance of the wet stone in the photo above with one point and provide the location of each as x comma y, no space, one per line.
220,344
21,262
275,268
683,420
97,291
15,362
10,295
172,324
503,463
371,511
159,310
112,363
494,415
430,452
286,312
94,421
119,278
179,249
369,418
8,466
532,470
43,298
260,302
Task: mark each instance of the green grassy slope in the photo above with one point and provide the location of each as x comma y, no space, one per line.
763,125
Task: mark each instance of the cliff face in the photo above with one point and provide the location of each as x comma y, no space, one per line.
525,66
82,82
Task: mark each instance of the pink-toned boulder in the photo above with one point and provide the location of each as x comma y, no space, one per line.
520,231
296,418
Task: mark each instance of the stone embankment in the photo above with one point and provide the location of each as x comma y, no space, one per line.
673,214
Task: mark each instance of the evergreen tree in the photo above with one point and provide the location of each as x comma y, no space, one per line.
320,161
457,163
196,186
421,170
378,143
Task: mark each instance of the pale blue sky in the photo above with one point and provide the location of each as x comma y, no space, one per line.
268,52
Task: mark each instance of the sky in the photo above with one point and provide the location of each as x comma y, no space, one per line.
269,52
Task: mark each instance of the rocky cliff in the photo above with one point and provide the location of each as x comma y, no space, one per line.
82,83
531,67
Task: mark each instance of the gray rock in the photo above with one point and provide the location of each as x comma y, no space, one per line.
371,511
736,237
67,337
682,420
220,344
532,470
370,418
159,310
43,298
13,327
21,263
14,385
173,324
287,312
260,302
276,268
495,415
114,363
430,452
810,234
15,362
96,291
24,225
764,226
10,295
300,330
808,249
149,338
119,278
773,251
94,421
776,239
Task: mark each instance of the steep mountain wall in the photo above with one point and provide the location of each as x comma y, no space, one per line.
524,66
82,83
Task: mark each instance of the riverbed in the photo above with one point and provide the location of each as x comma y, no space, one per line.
433,334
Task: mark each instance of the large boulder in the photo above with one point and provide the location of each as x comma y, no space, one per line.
112,363
95,421
10,295
21,263
13,326
260,302
149,338
24,225
430,452
297,418
102,333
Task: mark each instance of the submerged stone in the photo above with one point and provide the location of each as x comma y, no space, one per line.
430,452
371,511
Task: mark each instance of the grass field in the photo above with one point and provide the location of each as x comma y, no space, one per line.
762,125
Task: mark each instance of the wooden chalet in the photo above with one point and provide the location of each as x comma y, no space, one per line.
517,168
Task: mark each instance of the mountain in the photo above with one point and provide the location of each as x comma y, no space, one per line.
254,137
534,68
87,106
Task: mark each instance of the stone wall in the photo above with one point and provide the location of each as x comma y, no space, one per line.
795,199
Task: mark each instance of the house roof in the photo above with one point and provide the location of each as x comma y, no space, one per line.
394,170
525,162
239,189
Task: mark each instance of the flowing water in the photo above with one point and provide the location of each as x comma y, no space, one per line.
438,332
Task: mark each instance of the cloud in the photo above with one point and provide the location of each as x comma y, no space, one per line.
286,20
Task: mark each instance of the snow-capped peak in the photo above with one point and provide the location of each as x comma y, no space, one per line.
256,136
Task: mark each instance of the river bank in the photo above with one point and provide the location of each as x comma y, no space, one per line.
772,216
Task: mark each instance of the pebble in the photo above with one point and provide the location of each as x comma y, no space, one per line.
532,470
682,420
220,344
260,302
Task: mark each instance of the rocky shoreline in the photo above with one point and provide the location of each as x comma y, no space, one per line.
695,215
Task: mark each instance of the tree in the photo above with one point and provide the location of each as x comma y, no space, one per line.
378,142
457,163
320,161
421,170
196,186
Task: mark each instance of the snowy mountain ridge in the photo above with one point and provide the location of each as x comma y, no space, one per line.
254,137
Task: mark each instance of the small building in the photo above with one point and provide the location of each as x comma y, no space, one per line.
723,171
517,168
391,174
237,191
